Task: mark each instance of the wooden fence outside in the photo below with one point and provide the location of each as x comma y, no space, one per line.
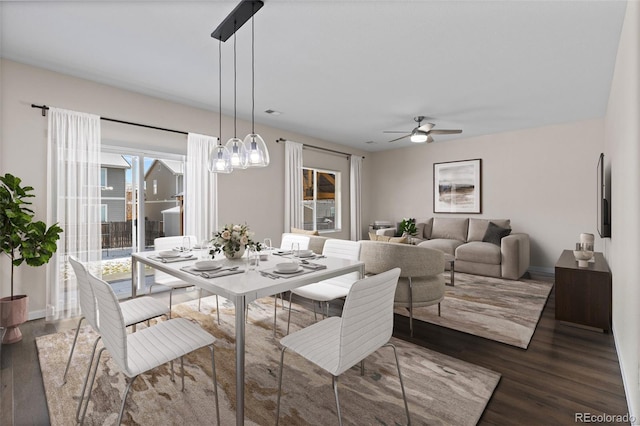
119,234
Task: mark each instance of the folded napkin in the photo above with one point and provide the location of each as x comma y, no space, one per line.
211,274
314,266
172,259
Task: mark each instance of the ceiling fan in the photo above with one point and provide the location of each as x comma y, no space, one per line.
422,133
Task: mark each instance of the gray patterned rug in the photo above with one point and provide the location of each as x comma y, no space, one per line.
506,311
441,390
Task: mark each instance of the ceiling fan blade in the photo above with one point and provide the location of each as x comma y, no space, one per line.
426,127
444,132
397,139
396,131
429,139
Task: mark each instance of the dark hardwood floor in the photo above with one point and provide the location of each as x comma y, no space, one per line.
566,370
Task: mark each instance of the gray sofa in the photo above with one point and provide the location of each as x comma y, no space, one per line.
504,257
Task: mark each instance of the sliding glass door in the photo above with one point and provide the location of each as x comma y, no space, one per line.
141,200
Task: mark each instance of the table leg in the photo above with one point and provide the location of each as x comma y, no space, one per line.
240,310
134,277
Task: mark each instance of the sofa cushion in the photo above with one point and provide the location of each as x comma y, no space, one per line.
444,245
388,239
479,252
424,228
478,227
450,228
495,234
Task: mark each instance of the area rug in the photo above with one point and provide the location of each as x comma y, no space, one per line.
506,311
441,390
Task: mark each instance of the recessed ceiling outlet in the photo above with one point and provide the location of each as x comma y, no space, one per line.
273,112
370,142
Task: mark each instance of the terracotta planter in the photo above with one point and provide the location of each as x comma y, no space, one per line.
13,312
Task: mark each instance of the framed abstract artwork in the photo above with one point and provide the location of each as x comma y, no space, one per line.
457,187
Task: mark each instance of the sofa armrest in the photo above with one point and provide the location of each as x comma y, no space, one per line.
387,232
515,255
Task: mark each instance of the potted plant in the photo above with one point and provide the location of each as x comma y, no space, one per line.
23,240
408,227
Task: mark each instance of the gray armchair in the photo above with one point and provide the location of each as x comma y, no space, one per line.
421,280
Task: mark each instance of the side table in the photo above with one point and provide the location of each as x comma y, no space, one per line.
583,295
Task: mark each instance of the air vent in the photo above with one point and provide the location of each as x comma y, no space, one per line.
273,112
370,142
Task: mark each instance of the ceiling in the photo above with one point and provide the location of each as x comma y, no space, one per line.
341,71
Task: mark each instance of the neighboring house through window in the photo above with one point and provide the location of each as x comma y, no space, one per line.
321,199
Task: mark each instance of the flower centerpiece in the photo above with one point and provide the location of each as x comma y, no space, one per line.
232,240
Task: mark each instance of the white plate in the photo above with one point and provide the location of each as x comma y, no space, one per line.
169,253
305,253
282,251
292,271
207,265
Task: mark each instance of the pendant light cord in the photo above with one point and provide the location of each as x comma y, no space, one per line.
220,91
253,78
234,87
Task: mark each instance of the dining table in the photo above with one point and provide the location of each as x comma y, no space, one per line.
248,283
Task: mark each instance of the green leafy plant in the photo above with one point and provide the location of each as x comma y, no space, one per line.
408,226
21,238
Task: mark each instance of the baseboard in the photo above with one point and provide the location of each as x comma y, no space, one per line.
632,413
37,314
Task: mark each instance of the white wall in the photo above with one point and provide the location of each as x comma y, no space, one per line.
622,134
543,179
254,196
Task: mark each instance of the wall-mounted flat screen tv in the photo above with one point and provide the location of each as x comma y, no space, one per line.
604,198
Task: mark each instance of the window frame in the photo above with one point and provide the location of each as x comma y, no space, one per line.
337,198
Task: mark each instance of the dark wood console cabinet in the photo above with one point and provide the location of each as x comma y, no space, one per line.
583,295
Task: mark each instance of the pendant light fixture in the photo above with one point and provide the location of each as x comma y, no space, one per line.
219,157
235,146
257,152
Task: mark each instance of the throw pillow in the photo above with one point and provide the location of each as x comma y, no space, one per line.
495,233
303,231
387,239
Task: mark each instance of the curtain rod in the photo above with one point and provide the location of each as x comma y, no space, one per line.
45,108
319,148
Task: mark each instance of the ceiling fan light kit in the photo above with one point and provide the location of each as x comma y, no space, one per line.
422,133
253,151
418,136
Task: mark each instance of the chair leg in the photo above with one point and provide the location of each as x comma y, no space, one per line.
289,317
362,367
280,385
217,308
86,378
410,306
215,383
73,346
335,391
124,398
86,405
170,302
404,396
182,371
439,309
200,298
315,314
275,313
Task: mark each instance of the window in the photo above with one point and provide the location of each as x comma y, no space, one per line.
103,177
321,199
103,213
155,187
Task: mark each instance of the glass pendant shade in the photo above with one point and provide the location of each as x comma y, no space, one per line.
220,160
238,153
257,152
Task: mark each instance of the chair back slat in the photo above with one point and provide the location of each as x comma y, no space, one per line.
86,297
367,317
289,239
112,326
343,249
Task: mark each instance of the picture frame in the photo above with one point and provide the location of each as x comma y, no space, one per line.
457,186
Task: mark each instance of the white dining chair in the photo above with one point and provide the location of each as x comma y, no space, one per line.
333,288
173,283
134,311
336,344
137,353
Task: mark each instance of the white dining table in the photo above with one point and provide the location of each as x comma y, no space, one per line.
242,289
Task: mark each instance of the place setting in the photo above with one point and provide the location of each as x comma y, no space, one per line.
211,269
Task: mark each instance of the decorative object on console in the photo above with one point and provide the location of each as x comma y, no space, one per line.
457,187
232,240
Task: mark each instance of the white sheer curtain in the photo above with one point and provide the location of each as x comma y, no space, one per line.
73,201
355,197
200,189
293,212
